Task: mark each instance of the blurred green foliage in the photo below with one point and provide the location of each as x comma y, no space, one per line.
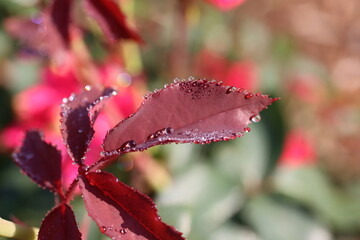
239,189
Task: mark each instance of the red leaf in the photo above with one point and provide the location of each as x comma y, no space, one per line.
122,212
110,18
198,111
78,116
60,15
59,224
40,161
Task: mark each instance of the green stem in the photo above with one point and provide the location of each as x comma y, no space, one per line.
17,231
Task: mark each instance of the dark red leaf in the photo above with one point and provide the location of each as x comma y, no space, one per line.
197,111
60,15
110,18
122,212
59,224
78,116
40,161
37,34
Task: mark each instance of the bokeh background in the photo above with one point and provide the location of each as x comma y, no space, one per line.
295,176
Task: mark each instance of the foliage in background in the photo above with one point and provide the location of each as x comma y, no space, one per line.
296,176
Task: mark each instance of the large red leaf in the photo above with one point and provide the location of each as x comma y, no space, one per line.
77,118
122,212
59,224
110,18
40,161
60,15
198,111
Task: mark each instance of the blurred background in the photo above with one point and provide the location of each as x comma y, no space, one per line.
295,176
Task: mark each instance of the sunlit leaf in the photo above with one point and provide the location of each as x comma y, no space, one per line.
122,212
194,111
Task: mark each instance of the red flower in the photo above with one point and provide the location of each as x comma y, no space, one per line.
297,150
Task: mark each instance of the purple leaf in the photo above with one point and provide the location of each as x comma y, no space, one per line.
60,15
59,224
78,116
197,111
110,18
40,161
122,212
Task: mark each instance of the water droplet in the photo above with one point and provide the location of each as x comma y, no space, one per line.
123,231
219,83
166,85
176,80
241,90
152,136
258,94
191,78
247,129
98,171
103,229
114,93
37,19
72,97
80,131
65,100
168,130
248,96
87,87
230,89
127,146
188,90
255,118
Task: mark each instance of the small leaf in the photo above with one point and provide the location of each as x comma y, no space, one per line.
60,15
78,114
122,212
110,18
59,224
40,161
197,111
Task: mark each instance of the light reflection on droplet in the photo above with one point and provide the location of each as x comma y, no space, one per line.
124,79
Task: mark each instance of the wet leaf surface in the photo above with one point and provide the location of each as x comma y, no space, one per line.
40,161
59,224
122,212
193,111
78,114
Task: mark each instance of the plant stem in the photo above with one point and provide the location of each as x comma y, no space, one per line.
12,230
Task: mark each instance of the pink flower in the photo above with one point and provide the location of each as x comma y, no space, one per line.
38,108
240,74
226,5
298,150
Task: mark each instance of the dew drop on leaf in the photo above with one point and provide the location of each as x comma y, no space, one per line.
103,229
230,90
247,129
248,96
123,231
169,130
255,118
128,146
